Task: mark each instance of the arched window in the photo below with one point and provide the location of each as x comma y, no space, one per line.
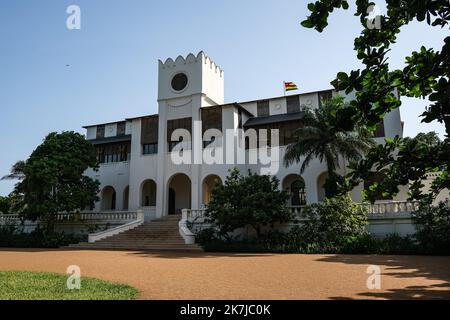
298,194
294,185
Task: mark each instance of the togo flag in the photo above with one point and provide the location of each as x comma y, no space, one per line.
290,86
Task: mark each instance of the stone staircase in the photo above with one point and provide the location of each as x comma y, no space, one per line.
162,234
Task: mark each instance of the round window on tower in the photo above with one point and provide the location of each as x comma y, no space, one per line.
179,82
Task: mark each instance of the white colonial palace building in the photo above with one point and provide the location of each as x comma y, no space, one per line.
137,171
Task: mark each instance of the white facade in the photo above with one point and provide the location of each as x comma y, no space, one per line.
152,182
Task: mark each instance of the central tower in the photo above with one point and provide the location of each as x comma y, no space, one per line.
193,75
185,85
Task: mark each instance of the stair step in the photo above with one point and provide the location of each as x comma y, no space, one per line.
162,234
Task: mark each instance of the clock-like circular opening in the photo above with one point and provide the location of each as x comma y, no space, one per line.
179,82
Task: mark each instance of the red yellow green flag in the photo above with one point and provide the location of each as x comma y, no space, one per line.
290,86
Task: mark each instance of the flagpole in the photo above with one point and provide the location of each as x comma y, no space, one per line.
284,88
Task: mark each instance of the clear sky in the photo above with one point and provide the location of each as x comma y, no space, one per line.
113,59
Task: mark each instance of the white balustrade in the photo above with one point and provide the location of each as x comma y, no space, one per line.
391,208
192,215
139,220
296,210
9,219
388,208
98,216
82,216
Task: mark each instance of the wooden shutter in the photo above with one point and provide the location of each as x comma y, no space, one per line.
293,104
263,108
149,130
211,118
100,132
121,127
172,125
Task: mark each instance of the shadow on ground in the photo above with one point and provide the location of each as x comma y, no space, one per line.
404,267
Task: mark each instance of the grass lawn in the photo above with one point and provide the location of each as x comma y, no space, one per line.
50,286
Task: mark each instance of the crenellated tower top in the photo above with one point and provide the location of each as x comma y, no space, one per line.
195,74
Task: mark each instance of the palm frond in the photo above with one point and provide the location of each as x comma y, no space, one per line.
17,172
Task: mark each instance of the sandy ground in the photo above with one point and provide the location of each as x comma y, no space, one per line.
160,275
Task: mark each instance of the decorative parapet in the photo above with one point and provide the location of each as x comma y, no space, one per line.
191,59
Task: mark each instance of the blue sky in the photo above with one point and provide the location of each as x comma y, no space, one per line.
113,59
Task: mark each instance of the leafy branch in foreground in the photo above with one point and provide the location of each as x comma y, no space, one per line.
378,89
405,162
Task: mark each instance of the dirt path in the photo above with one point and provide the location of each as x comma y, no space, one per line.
162,275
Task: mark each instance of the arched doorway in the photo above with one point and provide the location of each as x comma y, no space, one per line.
321,180
209,183
295,186
148,193
179,193
108,198
126,197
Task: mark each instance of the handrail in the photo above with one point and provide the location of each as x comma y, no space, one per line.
114,231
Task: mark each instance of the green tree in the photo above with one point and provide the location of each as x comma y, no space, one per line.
253,200
5,205
433,228
404,162
321,137
378,89
52,180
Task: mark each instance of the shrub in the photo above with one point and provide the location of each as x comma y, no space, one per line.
12,237
252,200
395,244
433,228
206,236
363,244
360,244
335,218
